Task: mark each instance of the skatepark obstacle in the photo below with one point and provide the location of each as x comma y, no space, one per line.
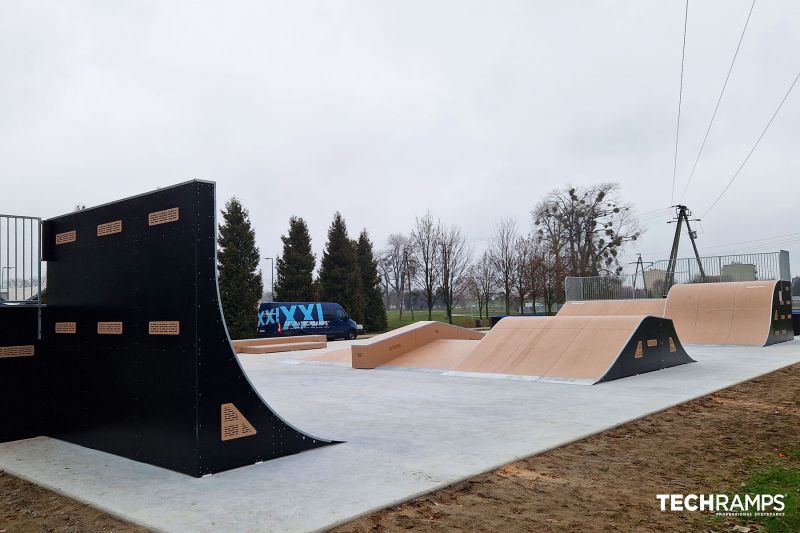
576,349
384,348
754,313
279,344
651,307
571,349
135,358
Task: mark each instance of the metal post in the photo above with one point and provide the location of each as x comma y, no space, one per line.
272,277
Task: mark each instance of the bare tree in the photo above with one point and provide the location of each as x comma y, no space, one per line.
411,269
482,282
455,256
504,257
393,264
425,239
586,227
523,249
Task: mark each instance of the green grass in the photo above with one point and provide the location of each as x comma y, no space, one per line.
781,476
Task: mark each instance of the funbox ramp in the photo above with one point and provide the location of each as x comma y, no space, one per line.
135,358
578,349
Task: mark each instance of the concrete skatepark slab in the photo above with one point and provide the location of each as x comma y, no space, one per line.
414,432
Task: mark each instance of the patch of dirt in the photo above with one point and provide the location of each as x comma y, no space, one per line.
606,482
26,507
609,482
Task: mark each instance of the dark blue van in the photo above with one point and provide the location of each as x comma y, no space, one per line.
276,319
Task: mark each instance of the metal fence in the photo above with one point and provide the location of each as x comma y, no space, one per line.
653,282
20,259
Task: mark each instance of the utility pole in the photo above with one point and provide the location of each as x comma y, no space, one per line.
682,214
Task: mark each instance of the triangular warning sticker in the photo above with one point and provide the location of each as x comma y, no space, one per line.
639,350
234,424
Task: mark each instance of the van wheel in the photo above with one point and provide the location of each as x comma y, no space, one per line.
351,335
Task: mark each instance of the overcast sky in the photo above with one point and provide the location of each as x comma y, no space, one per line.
383,109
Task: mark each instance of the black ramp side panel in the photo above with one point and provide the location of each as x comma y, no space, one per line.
21,385
154,395
781,328
216,358
653,346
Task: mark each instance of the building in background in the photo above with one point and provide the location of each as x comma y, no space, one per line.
739,272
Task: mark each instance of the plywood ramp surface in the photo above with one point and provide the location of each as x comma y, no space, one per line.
340,355
576,348
275,348
438,354
747,313
267,341
383,348
652,307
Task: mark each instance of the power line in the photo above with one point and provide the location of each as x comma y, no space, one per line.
680,102
785,236
719,100
753,149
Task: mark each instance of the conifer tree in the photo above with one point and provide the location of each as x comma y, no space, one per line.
295,268
240,284
374,310
339,275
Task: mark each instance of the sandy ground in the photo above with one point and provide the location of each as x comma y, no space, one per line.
607,482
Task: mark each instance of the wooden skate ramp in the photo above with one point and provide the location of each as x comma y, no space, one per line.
240,344
383,348
652,307
340,355
756,313
576,349
438,354
277,348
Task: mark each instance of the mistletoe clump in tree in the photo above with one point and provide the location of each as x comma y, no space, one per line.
240,284
586,228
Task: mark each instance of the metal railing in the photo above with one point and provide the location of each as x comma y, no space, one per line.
20,259
653,282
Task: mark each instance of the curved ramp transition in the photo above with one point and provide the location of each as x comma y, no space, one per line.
575,349
756,313
135,357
